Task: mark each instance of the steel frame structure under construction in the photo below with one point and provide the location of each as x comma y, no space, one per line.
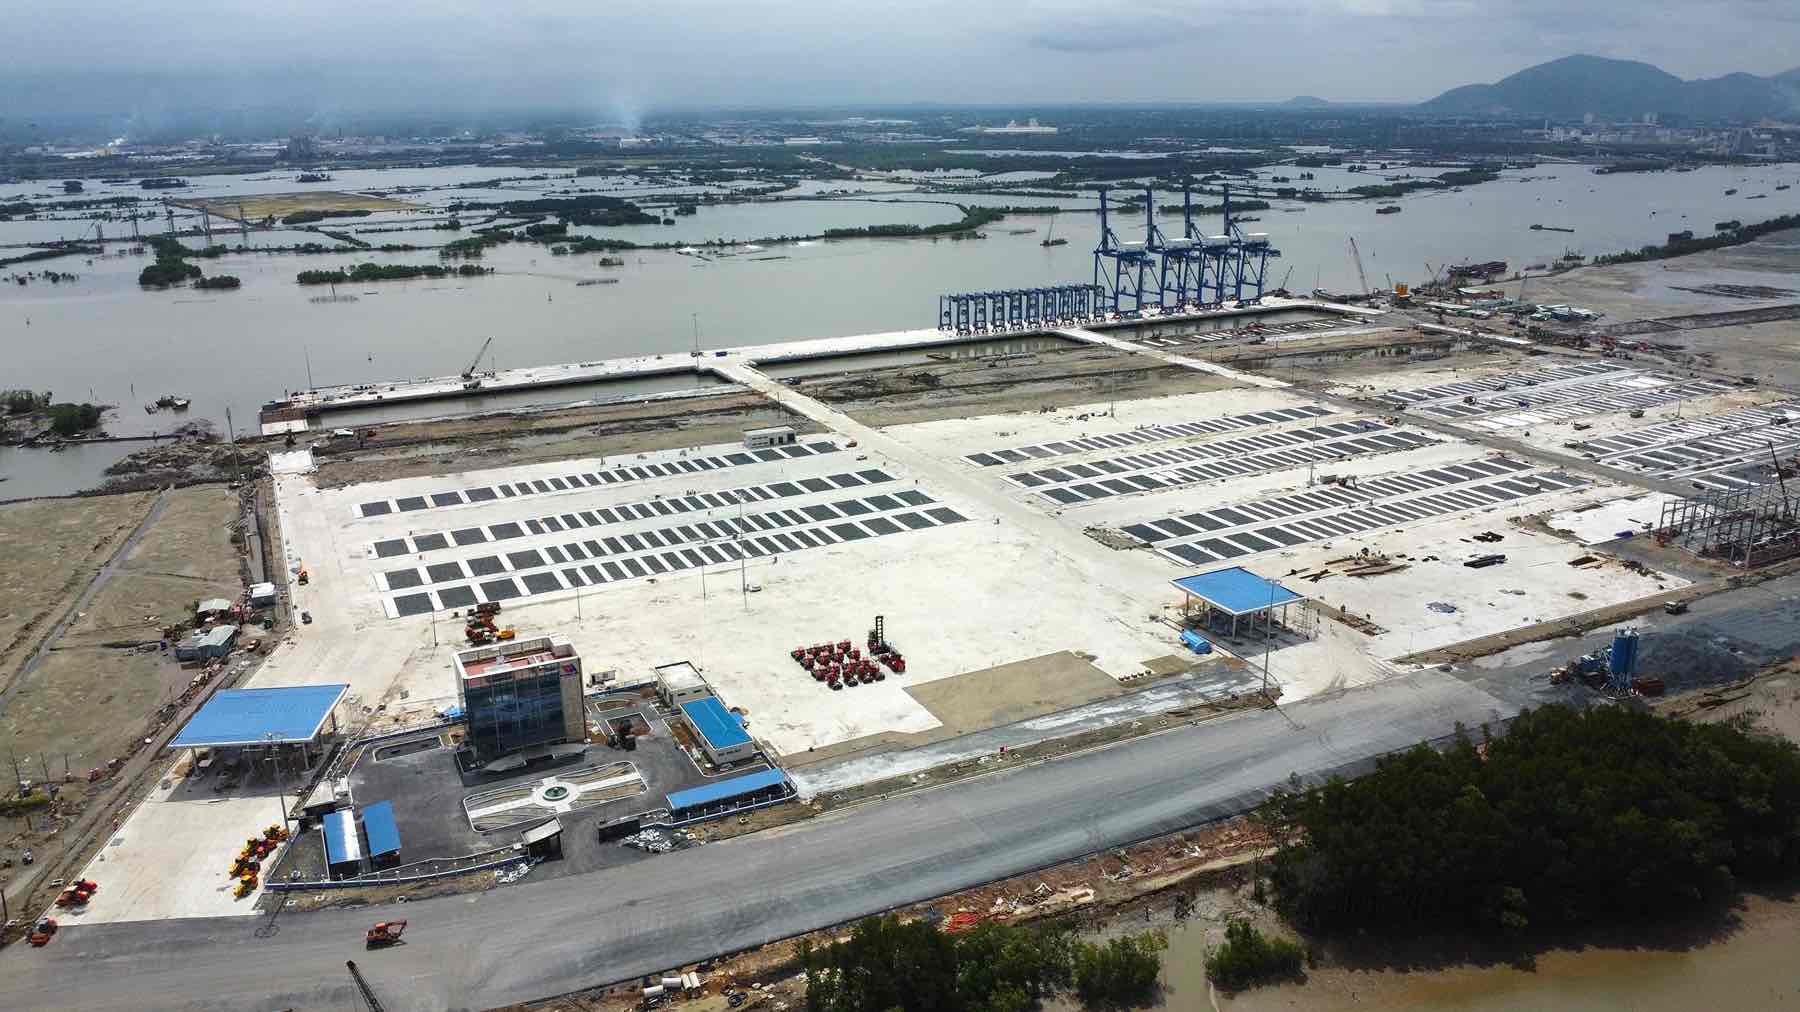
1018,309
1193,272
1744,527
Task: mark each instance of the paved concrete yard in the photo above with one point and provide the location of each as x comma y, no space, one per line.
171,856
428,792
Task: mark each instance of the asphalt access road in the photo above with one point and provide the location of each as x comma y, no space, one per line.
541,938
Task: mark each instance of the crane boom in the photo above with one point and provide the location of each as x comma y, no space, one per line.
470,371
368,995
1362,279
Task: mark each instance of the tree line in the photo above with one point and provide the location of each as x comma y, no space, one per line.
388,272
1567,818
1736,235
890,965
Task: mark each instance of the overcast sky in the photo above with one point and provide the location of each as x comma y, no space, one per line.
671,53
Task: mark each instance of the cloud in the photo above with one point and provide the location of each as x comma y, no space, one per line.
473,54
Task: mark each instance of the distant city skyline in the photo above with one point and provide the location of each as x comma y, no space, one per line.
626,59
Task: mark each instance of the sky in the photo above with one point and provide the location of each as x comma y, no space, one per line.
630,56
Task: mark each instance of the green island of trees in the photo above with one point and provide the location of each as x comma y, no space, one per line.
973,218
1455,177
1566,819
23,402
69,419
218,282
589,210
309,216
1736,235
170,266
887,965
389,272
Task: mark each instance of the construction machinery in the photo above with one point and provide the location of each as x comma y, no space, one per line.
1362,279
384,934
77,893
41,932
481,629
362,987
470,380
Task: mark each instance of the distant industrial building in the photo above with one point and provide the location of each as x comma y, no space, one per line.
720,732
1029,127
520,695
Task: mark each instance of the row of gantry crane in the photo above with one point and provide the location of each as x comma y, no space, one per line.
1132,279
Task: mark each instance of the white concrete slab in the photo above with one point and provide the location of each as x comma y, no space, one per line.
1605,521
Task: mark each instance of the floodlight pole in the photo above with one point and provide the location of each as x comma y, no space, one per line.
280,782
1268,637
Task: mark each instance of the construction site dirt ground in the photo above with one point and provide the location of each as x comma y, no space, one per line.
258,206
98,685
1056,377
49,550
1658,289
443,446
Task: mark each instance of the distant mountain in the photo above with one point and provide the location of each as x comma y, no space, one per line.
1306,102
1576,85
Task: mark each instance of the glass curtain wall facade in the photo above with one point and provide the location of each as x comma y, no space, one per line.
514,710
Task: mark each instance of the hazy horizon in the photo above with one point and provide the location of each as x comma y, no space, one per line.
332,58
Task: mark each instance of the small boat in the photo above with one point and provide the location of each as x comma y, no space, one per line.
1782,186
596,281
1731,192
1389,209
1554,228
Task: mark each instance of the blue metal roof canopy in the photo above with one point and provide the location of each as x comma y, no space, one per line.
720,727
285,716
379,827
725,790
1237,591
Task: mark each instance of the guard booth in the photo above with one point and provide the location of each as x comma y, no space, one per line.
774,435
544,842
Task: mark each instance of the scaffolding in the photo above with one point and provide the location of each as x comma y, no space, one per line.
1744,527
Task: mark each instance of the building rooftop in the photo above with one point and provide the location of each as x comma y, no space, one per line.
681,676
720,727
341,842
722,790
520,653
284,716
217,636
213,604
379,826
1236,590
